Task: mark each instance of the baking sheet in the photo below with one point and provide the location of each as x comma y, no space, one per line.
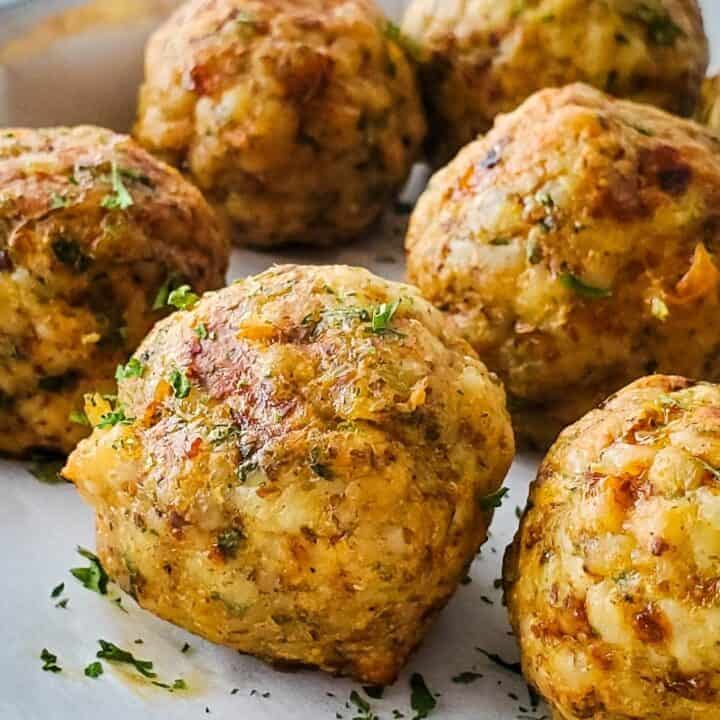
86,68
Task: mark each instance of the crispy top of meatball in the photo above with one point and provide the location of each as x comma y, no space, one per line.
299,118
484,57
332,424
576,245
614,569
119,204
91,227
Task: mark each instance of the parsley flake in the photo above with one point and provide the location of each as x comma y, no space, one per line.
574,283
494,500
94,670
113,418
228,542
94,576
120,198
180,384
183,298
57,590
421,699
133,369
58,201
382,316
465,678
161,297
112,653
201,331
49,661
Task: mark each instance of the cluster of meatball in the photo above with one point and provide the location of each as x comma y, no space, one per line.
303,465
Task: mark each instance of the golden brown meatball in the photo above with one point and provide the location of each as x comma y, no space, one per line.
709,110
484,57
302,470
577,246
91,227
612,581
298,118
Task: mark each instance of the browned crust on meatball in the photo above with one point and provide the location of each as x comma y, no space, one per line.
91,226
298,119
577,247
314,493
611,582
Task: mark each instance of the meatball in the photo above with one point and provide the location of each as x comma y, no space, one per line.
484,57
577,246
612,580
91,229
304,469
709,110
299,119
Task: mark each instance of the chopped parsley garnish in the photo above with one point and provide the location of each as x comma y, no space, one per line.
94,576
113,418
229,541
245,469
363,707
47,470
94,670
499,241
79,417
57,590
112,653
201,331
62,604
180,383
382,316
179,684
494,500
133,369
183,298
421,699
163,293
120,198
58,201
512,667
572,282
49,662
465,678
185,648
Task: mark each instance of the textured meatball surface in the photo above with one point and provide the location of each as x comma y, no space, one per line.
91,226
577,247
298,118
484,57
612,582
304,472
709,110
